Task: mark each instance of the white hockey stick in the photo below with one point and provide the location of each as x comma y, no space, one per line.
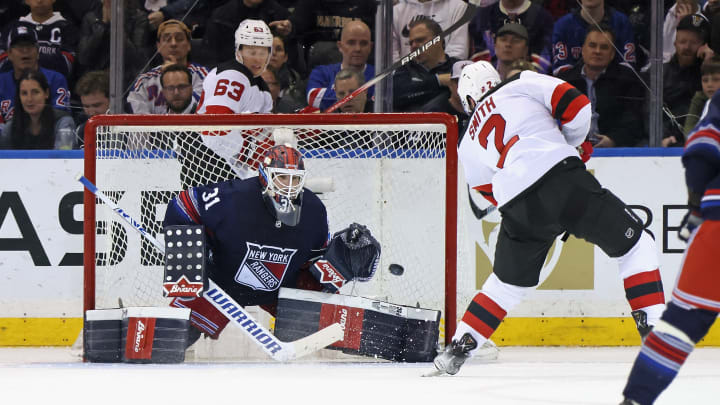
238,316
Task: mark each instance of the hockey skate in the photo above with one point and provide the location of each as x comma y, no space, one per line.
454,356
640,318
629,402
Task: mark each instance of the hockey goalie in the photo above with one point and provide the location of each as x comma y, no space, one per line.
268,232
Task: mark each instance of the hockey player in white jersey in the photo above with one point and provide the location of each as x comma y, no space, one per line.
521,152
235,87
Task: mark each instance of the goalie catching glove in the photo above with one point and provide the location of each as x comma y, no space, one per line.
353,254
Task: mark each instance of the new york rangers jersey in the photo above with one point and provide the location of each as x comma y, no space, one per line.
701,159
251,256
521,129
59,93
569,33
146,95
58,40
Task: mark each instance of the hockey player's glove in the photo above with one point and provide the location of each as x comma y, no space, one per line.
690,221
353,254
487,192
585,150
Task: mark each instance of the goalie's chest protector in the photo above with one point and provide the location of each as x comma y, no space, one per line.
252,256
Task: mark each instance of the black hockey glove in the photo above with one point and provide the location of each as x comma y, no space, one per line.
353,254
690,221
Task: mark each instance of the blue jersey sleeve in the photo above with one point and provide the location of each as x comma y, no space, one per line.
183,209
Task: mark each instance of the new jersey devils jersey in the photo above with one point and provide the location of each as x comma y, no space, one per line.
252,257
519,130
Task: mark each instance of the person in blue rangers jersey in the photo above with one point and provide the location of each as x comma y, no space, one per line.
258,239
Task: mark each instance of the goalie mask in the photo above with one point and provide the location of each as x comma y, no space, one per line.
282,176
253,33
476,80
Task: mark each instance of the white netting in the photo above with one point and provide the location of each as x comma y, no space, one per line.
390,177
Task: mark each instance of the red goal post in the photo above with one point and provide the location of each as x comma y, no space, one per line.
134,159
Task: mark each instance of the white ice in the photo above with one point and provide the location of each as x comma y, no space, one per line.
536,376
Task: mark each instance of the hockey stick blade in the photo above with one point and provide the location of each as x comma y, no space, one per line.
464,19
238,316
478,212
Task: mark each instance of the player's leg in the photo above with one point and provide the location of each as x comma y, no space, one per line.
687,319
519,255
598,216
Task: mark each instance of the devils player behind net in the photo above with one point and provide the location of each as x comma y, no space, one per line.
520,152
233,87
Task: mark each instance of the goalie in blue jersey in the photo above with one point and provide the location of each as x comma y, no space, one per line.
267,232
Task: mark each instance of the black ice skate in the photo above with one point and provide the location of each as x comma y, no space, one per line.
640,318
454,355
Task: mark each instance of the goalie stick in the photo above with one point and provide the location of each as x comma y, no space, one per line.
238,316
464,19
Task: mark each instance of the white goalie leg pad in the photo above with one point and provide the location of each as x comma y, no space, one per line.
642,257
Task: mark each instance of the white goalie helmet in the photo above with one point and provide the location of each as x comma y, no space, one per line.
475,80
253,32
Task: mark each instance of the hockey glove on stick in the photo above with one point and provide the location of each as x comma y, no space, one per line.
689,223
353,254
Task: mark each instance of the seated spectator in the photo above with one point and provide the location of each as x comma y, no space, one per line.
218,38
57,37
37,125
681,75
322,20
24,55
177,90
511,44
94,91
570,31
269,77
533,17
677,12
355,45
292,85
615,93
347,81
444,12
94,48
710,71
421,85
173,43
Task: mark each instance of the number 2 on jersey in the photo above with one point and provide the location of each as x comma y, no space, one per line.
497,123
234,93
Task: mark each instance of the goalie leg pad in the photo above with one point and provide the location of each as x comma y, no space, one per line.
154,335
102,330
372,328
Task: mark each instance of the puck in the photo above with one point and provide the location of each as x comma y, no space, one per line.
396,269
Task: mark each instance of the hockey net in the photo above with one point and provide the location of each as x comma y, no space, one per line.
395,173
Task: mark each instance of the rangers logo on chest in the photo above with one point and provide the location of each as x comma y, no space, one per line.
264,267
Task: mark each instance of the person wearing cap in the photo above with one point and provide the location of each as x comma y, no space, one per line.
568,34
422,85
94,48
536,19
57,37
511,44
677,12
681,75
173,44
616,95
24,55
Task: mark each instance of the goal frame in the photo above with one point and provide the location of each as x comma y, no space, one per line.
451,177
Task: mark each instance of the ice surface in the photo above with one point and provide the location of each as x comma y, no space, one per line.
535,376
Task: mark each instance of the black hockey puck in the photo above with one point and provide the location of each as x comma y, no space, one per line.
396,269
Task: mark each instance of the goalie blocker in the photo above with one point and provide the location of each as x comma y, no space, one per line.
372,328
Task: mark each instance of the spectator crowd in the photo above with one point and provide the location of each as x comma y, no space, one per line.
55,58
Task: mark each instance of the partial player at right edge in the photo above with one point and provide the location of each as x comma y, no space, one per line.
521,152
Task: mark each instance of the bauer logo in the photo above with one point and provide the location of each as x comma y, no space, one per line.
264,267
328,274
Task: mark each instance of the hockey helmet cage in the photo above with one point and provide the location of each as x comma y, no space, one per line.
475,80
253,32
282,176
